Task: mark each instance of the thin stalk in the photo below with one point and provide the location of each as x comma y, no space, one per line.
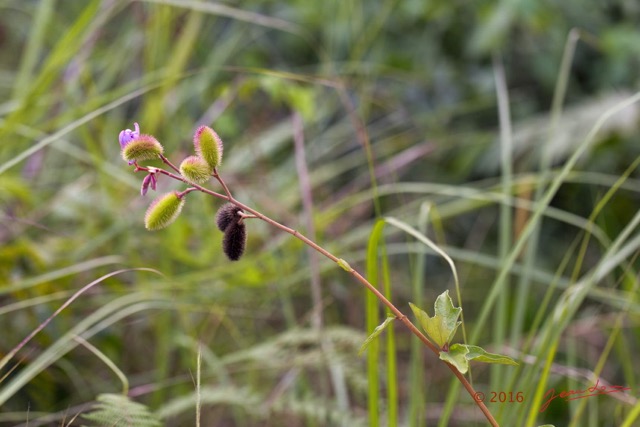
506,216
198,385
335,369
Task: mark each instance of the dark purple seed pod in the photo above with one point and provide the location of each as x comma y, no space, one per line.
235,240
227,214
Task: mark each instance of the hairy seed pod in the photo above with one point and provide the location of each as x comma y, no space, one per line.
163,211
144,147
226,215
235,240
195,170
208,145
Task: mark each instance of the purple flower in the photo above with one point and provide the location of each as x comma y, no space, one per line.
128,135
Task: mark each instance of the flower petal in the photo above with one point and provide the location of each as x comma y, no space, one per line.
145,184
128,135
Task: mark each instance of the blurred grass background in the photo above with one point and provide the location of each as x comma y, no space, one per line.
460,112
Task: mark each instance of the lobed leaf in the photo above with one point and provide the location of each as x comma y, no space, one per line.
460,355
443,325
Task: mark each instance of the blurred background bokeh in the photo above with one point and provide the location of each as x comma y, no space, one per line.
398,108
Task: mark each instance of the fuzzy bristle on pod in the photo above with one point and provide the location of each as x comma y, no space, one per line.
235,240
208,145
144,147
226,215
195,169
163,211
230,221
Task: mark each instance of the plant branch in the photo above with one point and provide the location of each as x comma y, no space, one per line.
224,186
179,178
168,162
399,315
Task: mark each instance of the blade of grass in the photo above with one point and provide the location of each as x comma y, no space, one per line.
34,47
64,49
529,228
90,325
110,364
74,124
531,250
372,322
425,240
233,13
392,378
417,407
63,272
537,214
506,216
571,299
335,369
198,386
68,302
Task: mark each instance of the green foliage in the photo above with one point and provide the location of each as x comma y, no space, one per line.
443,325
413,83
116,410
459,355
377,331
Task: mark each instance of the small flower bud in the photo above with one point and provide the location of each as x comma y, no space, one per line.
208,145
195,169
226,215
145,185
163,211
144,147
235,240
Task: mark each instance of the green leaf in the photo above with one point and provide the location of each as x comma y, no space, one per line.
442,326
459,355
480,355
377,331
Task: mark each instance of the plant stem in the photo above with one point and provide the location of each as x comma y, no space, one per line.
167,162
399,315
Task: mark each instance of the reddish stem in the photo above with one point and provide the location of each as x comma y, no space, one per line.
399,315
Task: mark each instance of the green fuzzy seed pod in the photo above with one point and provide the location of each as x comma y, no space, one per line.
145,147
163,211
195,169
208,145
